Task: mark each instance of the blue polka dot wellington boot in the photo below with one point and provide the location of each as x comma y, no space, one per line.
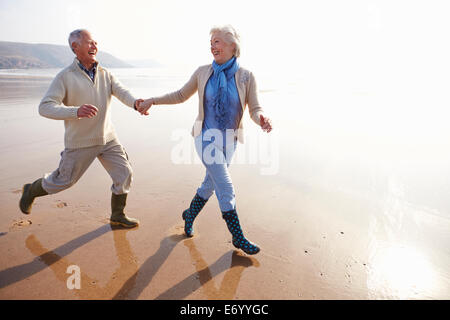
191,213
239,241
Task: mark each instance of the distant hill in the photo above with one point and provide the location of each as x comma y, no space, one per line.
17,55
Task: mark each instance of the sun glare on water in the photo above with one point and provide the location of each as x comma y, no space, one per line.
400,272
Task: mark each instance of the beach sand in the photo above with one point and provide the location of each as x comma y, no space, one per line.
319,240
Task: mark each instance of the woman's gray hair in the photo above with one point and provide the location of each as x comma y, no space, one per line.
230,36
75,36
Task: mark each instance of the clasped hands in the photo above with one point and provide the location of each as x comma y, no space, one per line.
142,106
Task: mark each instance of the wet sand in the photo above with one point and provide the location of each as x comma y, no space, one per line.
319,240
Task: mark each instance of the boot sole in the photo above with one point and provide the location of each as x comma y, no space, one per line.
25,188
247,252
115,223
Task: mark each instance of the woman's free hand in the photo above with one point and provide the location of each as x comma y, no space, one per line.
144,106
266,123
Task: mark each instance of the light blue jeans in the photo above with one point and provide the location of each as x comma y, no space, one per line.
216,153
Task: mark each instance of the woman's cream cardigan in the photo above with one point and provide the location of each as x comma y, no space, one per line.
246,85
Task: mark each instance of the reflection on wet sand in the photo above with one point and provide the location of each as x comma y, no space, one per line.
21,272
400,272
229,283
89,288
140,280
133,287
129,281
398,267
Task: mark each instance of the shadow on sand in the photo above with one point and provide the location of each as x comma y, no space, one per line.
137,278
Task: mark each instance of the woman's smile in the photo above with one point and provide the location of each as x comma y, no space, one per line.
221,50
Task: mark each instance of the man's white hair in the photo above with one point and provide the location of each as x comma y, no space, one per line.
230,36
75,36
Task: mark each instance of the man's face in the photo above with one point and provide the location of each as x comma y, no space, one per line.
86,50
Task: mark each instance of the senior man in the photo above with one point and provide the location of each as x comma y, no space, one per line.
80,95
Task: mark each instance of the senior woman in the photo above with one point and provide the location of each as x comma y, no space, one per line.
224,89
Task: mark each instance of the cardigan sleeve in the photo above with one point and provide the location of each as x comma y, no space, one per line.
181,95
254,109
51,105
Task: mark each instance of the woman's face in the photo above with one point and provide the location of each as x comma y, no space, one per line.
220,49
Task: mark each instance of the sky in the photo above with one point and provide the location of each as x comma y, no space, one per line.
172,30
286,31
365,34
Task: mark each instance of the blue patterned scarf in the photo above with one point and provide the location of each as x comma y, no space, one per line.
222,73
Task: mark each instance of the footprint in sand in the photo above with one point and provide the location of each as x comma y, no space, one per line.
20,224
61,204
177,233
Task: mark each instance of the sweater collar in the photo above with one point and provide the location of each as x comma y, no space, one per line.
91,74
82,67
77,62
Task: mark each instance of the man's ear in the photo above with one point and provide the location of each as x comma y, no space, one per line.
74,46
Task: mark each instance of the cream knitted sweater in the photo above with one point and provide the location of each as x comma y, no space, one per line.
72,88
